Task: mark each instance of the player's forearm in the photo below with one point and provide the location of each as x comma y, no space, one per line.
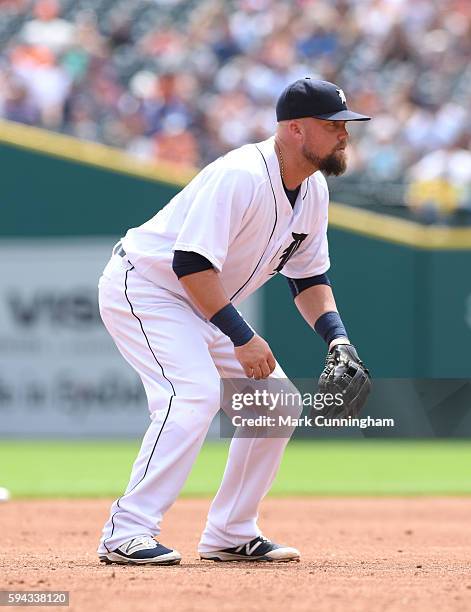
207,294
205,291
313,303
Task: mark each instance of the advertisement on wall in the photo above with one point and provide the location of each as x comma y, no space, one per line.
61,374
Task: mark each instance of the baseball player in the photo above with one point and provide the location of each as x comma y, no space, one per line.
168,298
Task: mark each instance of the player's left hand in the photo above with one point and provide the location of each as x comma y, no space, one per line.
345,374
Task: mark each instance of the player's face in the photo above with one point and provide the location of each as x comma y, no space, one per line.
324,145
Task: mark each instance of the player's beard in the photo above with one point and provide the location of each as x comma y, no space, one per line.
333,164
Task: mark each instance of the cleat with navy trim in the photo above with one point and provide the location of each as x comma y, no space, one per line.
142,550
258,549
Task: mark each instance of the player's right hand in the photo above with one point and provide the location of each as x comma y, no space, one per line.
256,358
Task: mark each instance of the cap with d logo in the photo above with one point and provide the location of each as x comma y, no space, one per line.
314,98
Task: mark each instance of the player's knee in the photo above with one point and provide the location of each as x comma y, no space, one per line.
291,406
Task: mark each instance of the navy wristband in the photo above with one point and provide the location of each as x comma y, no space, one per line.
229,321
329,326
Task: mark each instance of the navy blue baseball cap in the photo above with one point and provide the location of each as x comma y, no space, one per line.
313,98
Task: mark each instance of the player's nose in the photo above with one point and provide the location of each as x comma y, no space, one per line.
343,133
342,141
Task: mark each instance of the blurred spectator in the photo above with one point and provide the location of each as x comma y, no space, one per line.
16,104
46,82
440,183
47,29
177,146
185,81
13,6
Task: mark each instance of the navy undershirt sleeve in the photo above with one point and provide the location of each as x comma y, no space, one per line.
189,262
299,284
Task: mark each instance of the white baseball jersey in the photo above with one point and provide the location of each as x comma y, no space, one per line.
236,214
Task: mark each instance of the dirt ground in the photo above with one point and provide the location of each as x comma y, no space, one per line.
357,554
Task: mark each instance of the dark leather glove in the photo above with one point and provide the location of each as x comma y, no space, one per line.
344,374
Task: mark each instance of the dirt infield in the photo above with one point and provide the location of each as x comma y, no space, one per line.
358,554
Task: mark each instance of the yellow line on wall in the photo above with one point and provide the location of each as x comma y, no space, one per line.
90,153
348,218
399,231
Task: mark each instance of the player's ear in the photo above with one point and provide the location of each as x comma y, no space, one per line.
297,128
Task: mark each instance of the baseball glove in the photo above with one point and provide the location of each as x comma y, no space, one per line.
344,374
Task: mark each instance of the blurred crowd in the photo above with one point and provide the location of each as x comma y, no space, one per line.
185,80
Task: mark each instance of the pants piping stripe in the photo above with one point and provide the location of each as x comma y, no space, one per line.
166,416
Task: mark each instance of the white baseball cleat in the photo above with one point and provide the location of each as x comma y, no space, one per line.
258,549
142,550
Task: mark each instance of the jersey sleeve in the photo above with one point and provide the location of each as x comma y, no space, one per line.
312,258
215,214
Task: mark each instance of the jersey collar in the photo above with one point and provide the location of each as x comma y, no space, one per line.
268,149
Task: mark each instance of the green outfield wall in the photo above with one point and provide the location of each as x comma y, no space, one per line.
404,290
408,309
53,186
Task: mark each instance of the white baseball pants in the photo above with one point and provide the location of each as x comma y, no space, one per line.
180,358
